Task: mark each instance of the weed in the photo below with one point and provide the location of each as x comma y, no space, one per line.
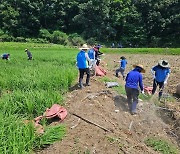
111,139
120,89
106,79
161,146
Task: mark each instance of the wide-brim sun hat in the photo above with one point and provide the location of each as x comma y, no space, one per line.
85,47
164,63
141,66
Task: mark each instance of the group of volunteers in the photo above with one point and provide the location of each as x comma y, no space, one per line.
6,56
134,79
87,60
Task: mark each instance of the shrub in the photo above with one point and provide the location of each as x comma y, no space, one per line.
59,37
20,39
45,34
6,38
1,32
75,39
91,41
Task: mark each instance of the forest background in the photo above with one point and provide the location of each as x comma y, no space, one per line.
127,23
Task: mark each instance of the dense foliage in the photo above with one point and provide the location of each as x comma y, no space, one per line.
127,22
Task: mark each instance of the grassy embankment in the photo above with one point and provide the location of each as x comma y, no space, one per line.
163,51
27,88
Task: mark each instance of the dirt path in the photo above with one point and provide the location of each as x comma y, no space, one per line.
107,108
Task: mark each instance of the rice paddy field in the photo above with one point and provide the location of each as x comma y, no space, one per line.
27,88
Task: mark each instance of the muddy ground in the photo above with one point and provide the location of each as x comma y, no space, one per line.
120,132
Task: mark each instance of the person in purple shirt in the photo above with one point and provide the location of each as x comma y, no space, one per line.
134,80
5,56
160,74
123,63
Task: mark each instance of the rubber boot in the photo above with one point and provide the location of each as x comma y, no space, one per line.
81,83
87,81
133,111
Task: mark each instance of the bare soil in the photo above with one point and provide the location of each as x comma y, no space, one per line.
105,107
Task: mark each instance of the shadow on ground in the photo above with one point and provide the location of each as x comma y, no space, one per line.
75,87
121,102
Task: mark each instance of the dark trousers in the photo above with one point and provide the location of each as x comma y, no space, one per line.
161,87
81,75
29,58
132,98
5,58
120,70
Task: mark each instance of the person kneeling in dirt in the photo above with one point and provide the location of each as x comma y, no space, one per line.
82,64
5,56
160,74
133,81
122,67
29,54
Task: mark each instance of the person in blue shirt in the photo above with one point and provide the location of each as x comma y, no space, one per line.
160,74
123,63
5,56
91,54
82,64
134,80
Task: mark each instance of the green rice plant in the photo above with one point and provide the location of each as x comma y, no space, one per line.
15,136
51,135
161,145
28,88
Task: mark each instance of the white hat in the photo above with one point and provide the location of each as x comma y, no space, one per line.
85,47
164,63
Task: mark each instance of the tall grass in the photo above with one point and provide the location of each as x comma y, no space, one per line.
27,88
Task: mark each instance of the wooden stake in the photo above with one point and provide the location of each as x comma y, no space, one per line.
88,121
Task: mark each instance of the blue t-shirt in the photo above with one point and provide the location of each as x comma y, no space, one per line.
91,54
81,60
123,63
160,73
133,79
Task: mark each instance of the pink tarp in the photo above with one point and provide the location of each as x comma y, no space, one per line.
148,90
99,71
55,111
